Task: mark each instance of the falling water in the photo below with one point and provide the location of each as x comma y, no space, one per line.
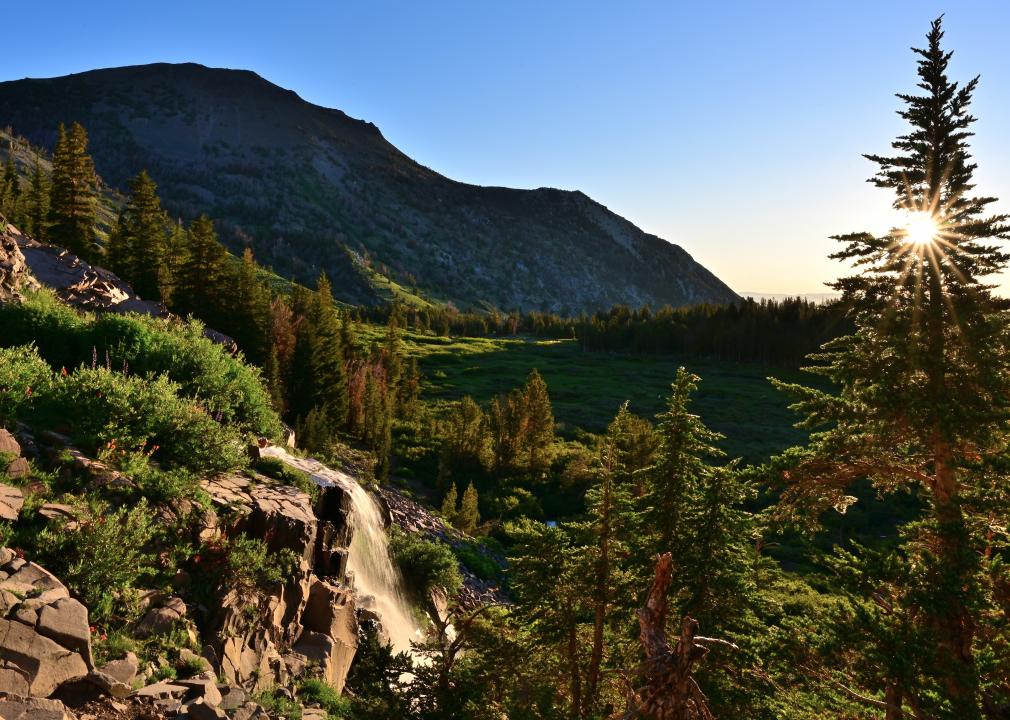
377,582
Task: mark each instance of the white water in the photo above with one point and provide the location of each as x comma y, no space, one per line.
377,582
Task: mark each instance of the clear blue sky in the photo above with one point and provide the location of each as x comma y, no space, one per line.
734,129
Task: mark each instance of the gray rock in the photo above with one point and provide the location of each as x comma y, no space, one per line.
11,502
200,709
124,670
8,444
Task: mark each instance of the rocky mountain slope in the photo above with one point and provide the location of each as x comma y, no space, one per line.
310,188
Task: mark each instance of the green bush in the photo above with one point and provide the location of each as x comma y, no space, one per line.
425,564
230,390
108,410
479,563
326,697
243,564
104,558
23,376
277,705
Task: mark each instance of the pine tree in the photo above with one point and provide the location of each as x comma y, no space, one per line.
634,449
685,445
10,190
539,435
468,517
921,407
328,362
277,371
464,441
449,504
37,203
250,322
176,257
73,199
200,288
138,248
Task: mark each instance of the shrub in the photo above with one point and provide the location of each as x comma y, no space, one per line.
23,376
243,564
277,705
326,697
425,564
227,387
479,563
107,409
103,558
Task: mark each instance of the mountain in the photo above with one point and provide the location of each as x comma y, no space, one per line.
310,188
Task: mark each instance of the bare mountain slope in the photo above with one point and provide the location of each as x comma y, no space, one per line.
310,188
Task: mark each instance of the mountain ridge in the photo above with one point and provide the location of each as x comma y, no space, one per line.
311,188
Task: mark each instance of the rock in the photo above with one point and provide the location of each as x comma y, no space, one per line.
205,688
8,444
232,697
314,714
15,276
56,511
249,711
33,709
161,691
109,685
66,622
200,709
162,619
45,642
330,612
124,670
19,469
11,502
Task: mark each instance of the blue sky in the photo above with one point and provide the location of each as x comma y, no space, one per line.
733,129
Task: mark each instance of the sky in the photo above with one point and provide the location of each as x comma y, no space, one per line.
734,129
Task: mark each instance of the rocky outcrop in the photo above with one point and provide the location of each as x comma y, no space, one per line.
44,636
15,276
310,619
26,263
14,466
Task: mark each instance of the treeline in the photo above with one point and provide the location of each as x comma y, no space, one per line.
321,379
771,332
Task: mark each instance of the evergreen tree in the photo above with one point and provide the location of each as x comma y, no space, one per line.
634,444
138,248
250,321
449,504
328,363
73,203
468,517
37,203
921,407
282,347
463,441
685,444
10,190
176,256
200,288
539,435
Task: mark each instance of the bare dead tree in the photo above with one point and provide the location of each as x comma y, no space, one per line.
670,691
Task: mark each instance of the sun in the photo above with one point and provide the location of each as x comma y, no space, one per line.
921,228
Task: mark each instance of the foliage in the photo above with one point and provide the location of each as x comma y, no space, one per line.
23,375
323,695
104,558
425,564
287,475
72,204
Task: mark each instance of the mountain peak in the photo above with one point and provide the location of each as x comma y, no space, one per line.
311,189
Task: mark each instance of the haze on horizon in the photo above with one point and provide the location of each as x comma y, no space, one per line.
735,131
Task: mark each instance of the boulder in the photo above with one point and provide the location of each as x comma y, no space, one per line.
44,636
124,670
33,709
160,691
232,698
18,469
11,502
8,444
109,685
162,619
200,709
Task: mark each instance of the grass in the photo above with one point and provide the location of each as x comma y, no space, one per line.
588,388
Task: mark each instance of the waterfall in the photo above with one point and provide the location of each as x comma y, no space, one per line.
377,582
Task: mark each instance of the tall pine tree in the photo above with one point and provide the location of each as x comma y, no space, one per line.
73,204
922,407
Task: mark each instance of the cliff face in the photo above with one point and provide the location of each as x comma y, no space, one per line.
310,188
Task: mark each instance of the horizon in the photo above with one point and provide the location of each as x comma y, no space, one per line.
773,240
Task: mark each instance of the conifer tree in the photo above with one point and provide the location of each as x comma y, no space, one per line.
463,441
73,197
138,248
282,347
921,407
200,288
449,504
328,363
468,517
685,445
10,190
539,435
250,322
176,256
37,203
